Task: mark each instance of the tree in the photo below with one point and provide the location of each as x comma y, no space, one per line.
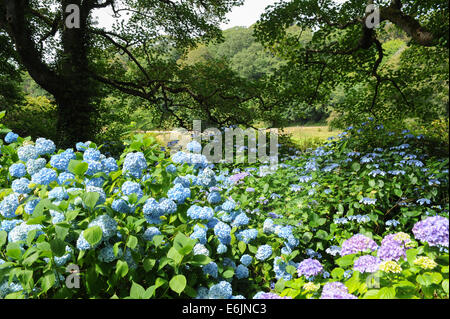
69,62
346,52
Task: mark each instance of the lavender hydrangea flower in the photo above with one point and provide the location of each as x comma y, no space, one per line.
336,290
366,263
433,230
358,243
309,268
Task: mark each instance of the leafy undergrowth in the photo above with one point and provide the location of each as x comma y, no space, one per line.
363,216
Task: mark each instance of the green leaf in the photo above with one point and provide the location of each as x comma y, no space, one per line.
371,294
337,273
398,192
424,280
229,273
183,244
178,283
93,235
78,167
353,283
158,240
90,199
121,268
132,242
61,231
175,255
445,285
345,261
242,247
280,285
13,251
356,167
436,278
371,183
58,247
47,281
137,291
387,293
200,260
149,264
3,237
411,256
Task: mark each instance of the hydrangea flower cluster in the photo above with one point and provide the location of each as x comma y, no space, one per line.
309,268
358,243
433,230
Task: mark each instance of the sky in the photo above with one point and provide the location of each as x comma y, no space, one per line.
244,15
247,14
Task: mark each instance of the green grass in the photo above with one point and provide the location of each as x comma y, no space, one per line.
304,136
310,136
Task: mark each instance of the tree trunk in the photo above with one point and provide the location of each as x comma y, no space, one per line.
76,118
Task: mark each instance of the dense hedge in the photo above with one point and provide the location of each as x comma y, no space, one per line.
363,216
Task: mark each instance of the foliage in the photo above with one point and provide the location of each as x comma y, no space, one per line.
133,225
356,70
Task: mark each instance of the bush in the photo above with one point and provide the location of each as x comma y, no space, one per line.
148,226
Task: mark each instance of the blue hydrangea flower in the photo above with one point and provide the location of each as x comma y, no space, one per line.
44,176
222,231
11,137
222,290
120,206
58,193
246,259
241,272
179,194
194,146
81,147
44,146
279,267
368,201
91,154
34,165
7,225
211,269
83,244
109,165
106,254
8,206
94,167
20,232
64,177
17,170
222,249
150,233
200,249
247,235
129,188
171,169
240,220
197,212
27,152
228,206
199,233
134,164
107,224
60,161
20,186
214,198
264,252
31,205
